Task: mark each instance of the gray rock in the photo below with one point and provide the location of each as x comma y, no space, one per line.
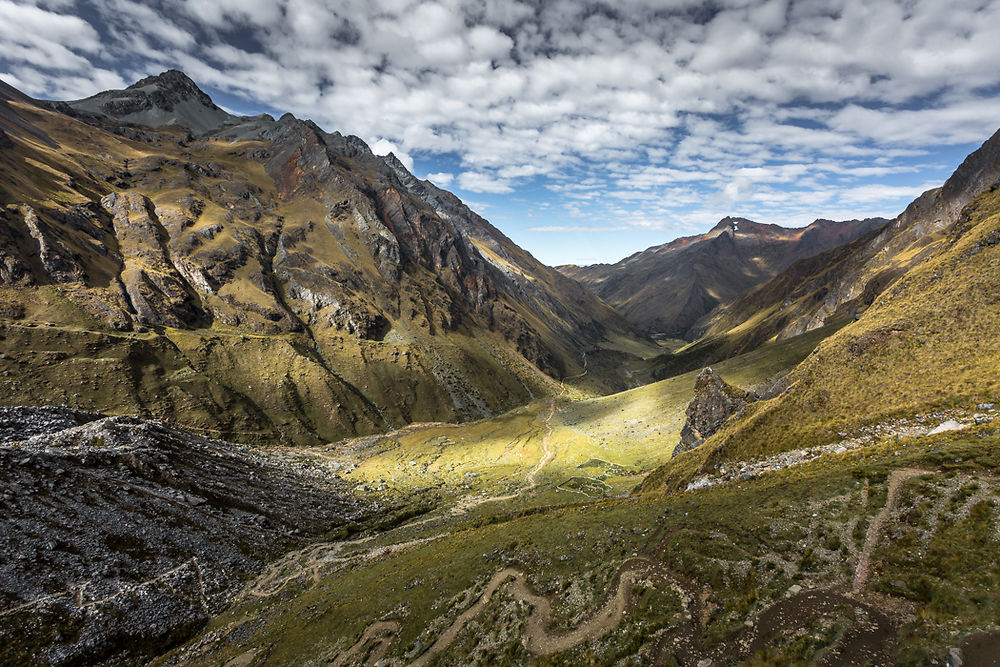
775,390
715,402
944,427
954,658
141,522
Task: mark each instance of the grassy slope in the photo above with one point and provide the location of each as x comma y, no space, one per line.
807,527
928,343
606,444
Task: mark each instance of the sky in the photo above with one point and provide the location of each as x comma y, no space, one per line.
585,130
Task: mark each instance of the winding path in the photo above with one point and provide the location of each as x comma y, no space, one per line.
863,570
381,633
538,640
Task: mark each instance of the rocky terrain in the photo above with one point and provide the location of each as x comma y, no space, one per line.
160,242
121,535
170,272
667,289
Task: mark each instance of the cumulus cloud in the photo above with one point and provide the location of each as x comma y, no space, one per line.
739,100
384,147
475,181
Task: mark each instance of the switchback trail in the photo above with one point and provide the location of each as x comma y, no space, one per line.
539,641
309,562
381,632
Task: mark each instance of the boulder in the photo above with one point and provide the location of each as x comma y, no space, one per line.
715,402
944,427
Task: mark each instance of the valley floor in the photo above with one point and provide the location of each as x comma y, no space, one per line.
526,547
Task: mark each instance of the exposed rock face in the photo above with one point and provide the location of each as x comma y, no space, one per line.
156,289
54,256
715,402
120,535
369,298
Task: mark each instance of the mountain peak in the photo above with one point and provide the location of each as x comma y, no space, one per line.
730,222
174,81
168,98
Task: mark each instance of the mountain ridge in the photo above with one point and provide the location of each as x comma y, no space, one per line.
667,289
842,282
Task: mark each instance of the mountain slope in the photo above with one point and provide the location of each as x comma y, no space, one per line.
263,278
844,281
926,344
667,289
121,535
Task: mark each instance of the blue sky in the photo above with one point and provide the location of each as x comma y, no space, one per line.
585,130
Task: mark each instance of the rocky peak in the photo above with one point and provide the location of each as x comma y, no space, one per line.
978,172
171,86
715,402
170,98
731,223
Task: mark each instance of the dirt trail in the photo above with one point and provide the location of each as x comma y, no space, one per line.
539,641
896,480
308,562
548,454
382,633
869,638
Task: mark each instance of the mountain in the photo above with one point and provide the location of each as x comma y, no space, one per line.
263,278
842,282
836,505
667,289
170,98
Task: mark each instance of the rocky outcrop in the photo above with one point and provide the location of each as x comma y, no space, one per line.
156,289
715,402
56,259
120,536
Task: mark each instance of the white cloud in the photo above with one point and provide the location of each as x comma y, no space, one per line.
441,179
474,181
384,147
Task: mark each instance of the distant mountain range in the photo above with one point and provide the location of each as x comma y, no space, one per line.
843,281
667,289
